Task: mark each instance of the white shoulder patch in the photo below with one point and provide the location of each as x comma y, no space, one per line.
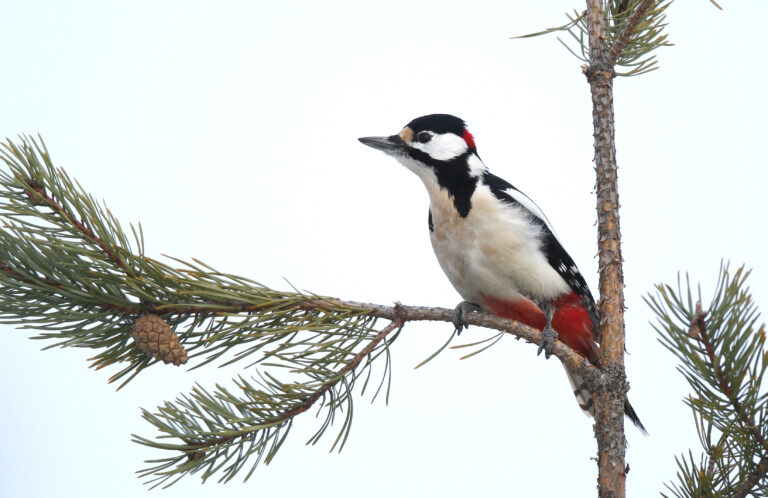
531,206
476,166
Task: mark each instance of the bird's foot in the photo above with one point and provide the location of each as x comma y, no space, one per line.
460,315
548,338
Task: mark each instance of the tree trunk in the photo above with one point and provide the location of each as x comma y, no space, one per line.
611,393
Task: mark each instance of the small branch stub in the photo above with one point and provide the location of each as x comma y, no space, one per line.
698,323
153,336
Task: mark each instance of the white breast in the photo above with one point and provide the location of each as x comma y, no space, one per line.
495,251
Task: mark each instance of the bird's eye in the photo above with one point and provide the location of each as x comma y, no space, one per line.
423,137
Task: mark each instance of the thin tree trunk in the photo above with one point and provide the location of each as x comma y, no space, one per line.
611,393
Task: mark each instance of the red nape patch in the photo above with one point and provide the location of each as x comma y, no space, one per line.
467,136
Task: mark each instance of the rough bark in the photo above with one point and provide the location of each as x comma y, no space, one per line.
610,396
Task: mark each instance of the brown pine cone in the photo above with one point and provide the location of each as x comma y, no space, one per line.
153,335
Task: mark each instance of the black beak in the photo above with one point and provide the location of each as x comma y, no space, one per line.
387,144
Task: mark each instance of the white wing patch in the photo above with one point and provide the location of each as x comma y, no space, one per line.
531,206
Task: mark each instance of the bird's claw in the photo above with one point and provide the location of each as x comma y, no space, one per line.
548,338
460,315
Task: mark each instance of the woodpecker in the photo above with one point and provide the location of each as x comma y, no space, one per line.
495,245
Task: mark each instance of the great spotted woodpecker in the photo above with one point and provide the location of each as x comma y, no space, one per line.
494,243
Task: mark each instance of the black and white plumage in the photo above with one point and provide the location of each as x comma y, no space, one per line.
494,243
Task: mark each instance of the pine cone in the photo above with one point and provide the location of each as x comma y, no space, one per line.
153,335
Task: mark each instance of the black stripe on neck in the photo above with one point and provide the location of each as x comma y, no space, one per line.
452,175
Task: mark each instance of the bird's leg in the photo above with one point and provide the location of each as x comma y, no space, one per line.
548,335
460,314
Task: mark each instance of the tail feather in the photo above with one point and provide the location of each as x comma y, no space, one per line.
587,404
583,396
632,415
575,320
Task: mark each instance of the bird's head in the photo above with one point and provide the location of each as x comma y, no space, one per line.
432,144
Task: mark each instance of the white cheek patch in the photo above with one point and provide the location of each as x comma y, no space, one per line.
443,147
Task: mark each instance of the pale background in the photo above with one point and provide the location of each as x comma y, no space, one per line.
229,130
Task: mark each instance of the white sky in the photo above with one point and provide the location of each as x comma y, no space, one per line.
229,130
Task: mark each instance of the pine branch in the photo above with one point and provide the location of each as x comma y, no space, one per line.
699,325
253,430
628,29
752,480
722,356
67,269
633,29
207,441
